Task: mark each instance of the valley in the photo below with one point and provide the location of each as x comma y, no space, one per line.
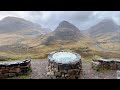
30,40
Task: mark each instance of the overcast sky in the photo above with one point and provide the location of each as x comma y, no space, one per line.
51,19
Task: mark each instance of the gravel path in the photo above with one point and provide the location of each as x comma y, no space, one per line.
39,70
90,73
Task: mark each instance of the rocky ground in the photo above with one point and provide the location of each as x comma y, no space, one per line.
39,70
90,73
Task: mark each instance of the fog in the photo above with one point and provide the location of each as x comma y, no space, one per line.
50,19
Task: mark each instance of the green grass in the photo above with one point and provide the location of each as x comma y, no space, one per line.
85,50
96,57
81,49
24,77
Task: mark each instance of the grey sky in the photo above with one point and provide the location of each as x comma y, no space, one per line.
51,19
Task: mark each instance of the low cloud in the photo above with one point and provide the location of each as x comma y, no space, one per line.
51,19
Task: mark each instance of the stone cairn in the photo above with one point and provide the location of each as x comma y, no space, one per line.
58,70
11,69
101,64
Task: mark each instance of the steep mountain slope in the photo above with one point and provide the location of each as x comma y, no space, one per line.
65,32
106,35
104,27
19,25
17,34
107,29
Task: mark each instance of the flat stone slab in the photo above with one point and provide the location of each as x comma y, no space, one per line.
64,57
14,63
106,60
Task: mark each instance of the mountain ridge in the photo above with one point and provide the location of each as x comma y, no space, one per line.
19,25
65,32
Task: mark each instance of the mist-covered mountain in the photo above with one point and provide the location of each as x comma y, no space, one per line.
16,37
19,25
65,32
106,30
104,27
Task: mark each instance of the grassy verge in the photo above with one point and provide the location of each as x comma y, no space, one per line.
42,53
24,77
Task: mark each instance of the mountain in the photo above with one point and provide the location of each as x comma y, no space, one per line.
17,34
105,34
19,25
65,32
106,30
104,27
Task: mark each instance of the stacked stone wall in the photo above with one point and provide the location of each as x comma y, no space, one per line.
65,71
100,64
11,69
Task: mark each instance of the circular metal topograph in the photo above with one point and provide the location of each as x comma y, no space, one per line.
64,57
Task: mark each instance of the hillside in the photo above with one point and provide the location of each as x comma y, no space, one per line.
17,35
65,32
29,40
106,34
106,29
103,27
20,26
